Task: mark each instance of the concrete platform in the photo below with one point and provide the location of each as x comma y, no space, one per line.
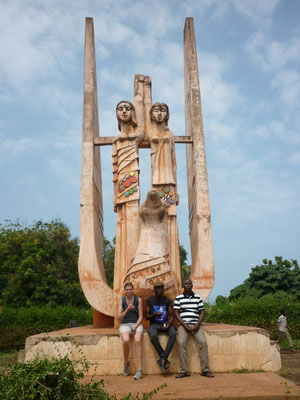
230,348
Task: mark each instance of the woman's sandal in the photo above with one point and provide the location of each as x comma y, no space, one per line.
183,375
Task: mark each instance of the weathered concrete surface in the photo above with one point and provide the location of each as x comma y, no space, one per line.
202,271
91,270
230,347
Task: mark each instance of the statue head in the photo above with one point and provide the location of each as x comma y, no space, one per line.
159,113
153,208
125,113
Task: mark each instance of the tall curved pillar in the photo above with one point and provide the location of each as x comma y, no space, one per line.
202,270
91,269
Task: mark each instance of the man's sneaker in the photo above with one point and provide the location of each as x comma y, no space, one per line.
167,364
162,367
126,369
138,374
207,374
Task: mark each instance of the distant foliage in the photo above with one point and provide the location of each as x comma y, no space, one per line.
185,269
109,260
269,278
260,312
16,324
39,265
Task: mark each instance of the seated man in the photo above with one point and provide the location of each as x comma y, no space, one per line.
189,311
160,314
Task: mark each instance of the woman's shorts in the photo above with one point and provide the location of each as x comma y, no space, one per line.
130,325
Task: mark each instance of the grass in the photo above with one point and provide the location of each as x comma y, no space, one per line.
247,371
284,344
285,371
8,357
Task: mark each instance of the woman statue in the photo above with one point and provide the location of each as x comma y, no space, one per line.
126,190
151,261
163,176
163,159
130,312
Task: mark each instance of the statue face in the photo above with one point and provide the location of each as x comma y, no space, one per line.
124,112
159,113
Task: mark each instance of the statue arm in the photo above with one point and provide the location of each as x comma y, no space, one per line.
140,136
174,164
115,173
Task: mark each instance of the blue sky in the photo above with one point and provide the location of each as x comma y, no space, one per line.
248,55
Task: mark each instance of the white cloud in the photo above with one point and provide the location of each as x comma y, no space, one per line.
276,129
294,159
270,55
288,84
280,62
257,11
64,169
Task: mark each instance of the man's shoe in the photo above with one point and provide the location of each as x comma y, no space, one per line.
138,374
207,374
162,367
183,374
126,369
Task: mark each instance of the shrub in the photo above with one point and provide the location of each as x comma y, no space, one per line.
260,312
18,323
55,378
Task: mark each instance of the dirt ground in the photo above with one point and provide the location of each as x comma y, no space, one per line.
255,386
245,386
290,366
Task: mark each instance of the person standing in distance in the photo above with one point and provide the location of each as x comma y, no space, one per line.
283,329
189,311
159,312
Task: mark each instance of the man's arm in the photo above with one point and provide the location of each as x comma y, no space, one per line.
178,317
170,315
197,326
151,317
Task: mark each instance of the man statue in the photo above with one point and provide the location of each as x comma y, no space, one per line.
160,314
189,311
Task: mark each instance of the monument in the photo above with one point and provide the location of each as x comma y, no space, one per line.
147,242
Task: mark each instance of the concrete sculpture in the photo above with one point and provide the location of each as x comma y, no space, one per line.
147,242
147,245
151,261
126,190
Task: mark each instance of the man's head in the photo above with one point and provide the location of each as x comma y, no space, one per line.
187,286
159,288
282,311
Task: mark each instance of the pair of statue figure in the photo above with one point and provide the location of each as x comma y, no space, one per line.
144,240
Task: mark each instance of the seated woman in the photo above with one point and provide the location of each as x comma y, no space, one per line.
130,311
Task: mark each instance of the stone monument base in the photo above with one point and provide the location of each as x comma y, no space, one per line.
230,347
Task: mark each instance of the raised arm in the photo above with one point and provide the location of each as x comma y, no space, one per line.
121,314
149,316
174,165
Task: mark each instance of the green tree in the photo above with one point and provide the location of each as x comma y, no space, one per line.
269,278
185,269
38,265
109,259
